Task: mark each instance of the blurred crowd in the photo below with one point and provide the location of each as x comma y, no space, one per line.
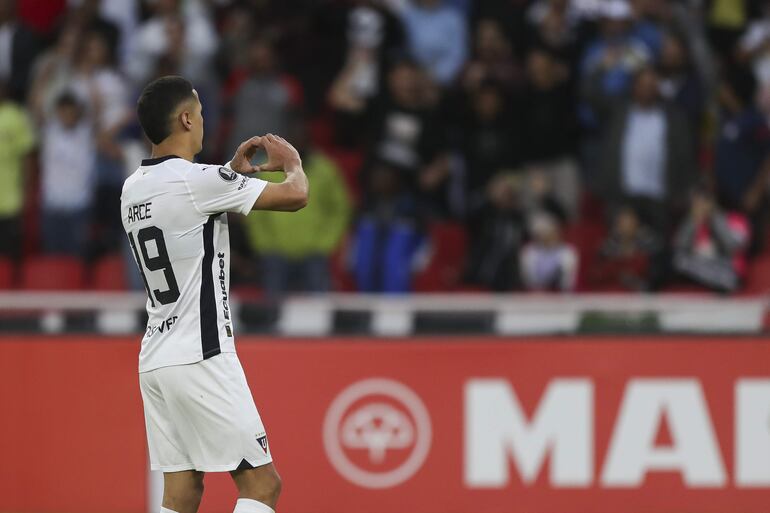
571,144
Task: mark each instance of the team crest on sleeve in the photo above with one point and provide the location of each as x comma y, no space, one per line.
228,175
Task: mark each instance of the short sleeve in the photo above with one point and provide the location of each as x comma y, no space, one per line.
216,189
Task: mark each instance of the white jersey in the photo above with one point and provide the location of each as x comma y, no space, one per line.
174,215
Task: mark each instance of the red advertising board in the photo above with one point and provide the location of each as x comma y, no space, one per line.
578,425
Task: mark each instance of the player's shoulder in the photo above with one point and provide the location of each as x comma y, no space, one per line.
129,182
216,172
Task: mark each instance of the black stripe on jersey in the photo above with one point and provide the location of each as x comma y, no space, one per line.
158,160
209,324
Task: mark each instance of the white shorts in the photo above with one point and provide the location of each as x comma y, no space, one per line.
202,417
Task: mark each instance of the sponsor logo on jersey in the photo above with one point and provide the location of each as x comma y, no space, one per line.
228,175
243,183
223,286
377,433
162,327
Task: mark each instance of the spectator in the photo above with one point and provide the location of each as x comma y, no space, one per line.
123,15
437,36
548,263
295,247
497,231
632,257
754,46
185,35
95,66
742,160
548,119
511,15
53,72
555,26
105,93
388,234
67,167
493,59
18,48
686,21
679,81
648,157
491,144
16,143
607,65
650,17
618,52
709,245
82,63
494,138
374,34
87,16
405,133
236,34
540,194
263,99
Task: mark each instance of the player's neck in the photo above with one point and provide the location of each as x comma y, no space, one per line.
173,146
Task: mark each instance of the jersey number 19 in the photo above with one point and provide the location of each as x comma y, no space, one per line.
160,262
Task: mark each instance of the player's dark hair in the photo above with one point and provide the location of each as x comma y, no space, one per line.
158,101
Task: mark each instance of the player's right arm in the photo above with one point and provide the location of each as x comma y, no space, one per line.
289,195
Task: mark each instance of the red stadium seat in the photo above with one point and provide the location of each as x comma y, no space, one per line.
53,273
109,273
443,272
341,277
6,274
587,238
758,278
321,132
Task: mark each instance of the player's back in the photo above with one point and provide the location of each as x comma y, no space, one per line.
173,212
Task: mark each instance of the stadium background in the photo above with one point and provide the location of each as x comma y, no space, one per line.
532,276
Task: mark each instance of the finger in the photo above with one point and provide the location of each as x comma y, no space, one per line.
288,144
249,147
255,141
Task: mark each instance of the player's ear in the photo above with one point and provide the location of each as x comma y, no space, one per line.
184,119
